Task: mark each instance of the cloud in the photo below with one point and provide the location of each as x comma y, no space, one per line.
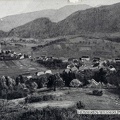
73,1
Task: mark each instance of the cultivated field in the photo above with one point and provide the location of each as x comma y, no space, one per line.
75,46
17,67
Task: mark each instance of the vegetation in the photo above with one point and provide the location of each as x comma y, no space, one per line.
55,81
80,105
53,64
39,98
18,88
55,114
49,43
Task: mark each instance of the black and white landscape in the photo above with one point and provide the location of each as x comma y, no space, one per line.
54,62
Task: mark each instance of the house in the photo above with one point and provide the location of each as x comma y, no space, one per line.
87,58
96,60
117,60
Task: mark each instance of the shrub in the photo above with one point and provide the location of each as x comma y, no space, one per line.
75,83
39,98
97,92
80,105
15,95
114,79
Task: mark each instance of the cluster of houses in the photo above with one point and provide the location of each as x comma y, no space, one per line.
21,40
52,62
11,55
49,60
85,62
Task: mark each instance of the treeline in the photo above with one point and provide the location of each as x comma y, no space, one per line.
50,43
113,39
53,64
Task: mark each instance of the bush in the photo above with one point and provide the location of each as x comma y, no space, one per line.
114,79
80,105
75,83
97,92
15,95
39,98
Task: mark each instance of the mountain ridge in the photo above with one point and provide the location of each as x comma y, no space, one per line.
55,15
104,19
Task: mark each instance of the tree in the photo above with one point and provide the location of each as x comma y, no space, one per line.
52,82
55,81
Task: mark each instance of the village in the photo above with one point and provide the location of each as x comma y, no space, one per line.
71,72
60,60
39,70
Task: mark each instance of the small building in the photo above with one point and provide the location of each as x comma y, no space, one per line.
117,60
96,60
87,58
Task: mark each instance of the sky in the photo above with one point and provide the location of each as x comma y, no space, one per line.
11,7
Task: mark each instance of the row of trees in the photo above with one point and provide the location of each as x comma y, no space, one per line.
20,87
15,88
53,63
49,43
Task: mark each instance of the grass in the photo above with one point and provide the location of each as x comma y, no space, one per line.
68,97
64,110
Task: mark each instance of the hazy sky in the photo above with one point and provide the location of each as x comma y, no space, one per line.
9,7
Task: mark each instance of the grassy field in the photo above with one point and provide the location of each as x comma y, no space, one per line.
69,97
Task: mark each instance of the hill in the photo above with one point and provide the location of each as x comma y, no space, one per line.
39,28
10,22
64,12
104,19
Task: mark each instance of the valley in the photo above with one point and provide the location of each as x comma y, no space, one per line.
55,62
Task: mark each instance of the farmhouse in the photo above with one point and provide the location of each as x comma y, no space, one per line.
87,58
117,60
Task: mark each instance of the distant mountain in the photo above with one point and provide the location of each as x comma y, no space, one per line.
104,19
64,12
10,22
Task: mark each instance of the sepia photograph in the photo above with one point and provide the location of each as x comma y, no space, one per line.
59,59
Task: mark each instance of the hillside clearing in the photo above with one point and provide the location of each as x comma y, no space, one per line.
70,97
